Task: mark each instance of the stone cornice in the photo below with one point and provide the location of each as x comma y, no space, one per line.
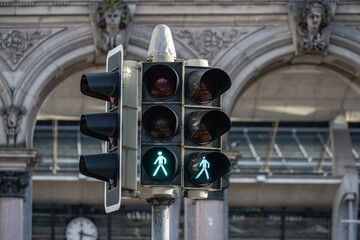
18,159
161,2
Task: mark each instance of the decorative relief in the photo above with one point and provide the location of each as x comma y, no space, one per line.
12,118
112,19
313,19
16,43
209,42
13,184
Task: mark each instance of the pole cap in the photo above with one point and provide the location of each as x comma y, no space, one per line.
161,44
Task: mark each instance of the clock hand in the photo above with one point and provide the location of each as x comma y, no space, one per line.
88,235
81,233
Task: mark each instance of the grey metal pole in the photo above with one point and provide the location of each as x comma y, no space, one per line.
160,225
351,217
175,212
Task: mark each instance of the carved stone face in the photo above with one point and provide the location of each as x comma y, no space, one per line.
313,19
113,18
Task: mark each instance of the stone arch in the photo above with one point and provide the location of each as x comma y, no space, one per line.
5,103
73,51
273,48
70,50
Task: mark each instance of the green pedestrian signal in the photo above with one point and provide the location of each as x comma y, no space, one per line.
159,164
203,175
206,167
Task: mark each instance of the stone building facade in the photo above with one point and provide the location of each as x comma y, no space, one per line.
45,43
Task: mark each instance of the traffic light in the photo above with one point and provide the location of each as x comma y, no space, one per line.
161,132
204,124
106,126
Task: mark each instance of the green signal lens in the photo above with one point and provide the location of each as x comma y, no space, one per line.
159,163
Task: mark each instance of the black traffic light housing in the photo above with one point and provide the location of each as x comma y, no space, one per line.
162,117
105,126
202,176
204,123
100,166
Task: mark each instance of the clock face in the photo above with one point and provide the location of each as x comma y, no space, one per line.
81,229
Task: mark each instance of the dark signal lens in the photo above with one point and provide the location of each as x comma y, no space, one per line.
160,122
206,90
161,81
206,130
204,127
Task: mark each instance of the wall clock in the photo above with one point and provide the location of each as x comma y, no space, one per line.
81,228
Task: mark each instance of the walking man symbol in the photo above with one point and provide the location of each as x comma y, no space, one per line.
205,165
160,161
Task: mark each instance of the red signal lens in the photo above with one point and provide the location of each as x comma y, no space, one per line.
161,81
162,86
160,122
112,99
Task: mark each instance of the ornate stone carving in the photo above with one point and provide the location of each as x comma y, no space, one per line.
15,43
313,21
12,118
112,19
209,42
13,184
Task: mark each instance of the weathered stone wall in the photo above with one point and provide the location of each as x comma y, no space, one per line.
43,42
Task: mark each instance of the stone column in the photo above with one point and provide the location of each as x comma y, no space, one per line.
15,179
209,219
189,219
341,146
345,205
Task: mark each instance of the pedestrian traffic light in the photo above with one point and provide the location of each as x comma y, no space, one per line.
107,126
204,124
161,132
